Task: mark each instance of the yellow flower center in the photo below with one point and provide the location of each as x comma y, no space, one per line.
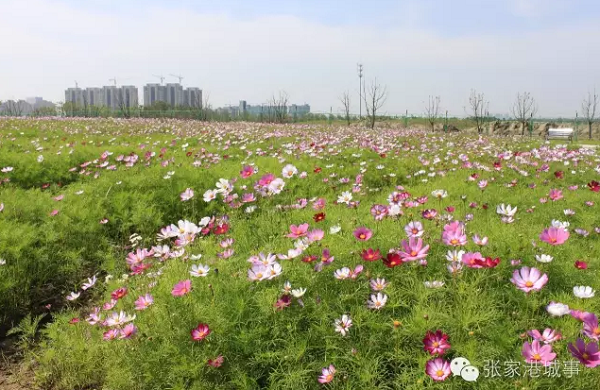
439,373
529,284
537,357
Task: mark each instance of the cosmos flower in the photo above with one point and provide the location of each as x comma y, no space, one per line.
370,254
529,279
557,309
587,354
436,343
536,353
143,302
547,337
377,301
414,229
362,233
187,195
298,231
413,250
199,270
583,292
554,236
438,369
182,288
327,374
378,284
200,332
342,325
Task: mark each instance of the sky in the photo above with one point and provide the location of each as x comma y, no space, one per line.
251,49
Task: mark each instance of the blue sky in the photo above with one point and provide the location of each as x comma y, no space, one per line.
236,49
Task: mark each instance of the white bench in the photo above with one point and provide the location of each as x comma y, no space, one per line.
566,133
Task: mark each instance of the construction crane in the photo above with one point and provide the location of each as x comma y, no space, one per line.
76,85
179,77
113,80
161,77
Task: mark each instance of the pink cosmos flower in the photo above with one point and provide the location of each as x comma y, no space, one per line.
144,302
216,362
111,334
587,354
436,343
414,229
182,288
200,332
362,234
319,204
536,353
555,194
315,235
128,331
327,374
248,197
266,179
480,241
413,250
54,213
547,337
247,171
379,211
590,326
529,279
187,195
438,369
554,235
298,231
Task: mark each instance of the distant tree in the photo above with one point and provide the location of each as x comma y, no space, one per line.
524,109
85,103
375,96
588,108
44,111
345,99
432,110
478,107
278,107
15,108
123,105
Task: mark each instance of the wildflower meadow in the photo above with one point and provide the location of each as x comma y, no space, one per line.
167,254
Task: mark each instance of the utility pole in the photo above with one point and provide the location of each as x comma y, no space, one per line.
360,76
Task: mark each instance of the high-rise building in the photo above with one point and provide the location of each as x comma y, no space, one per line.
129,94
174,94
111,97
192,97
154,93
74,96
94,96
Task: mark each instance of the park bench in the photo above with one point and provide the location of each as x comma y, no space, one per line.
565,133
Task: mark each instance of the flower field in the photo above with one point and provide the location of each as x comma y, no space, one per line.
162,254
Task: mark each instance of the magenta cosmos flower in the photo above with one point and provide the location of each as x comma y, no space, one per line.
143,302
554,235
547,337
587,354
536,353
529,279
438,369
298,231
182,288
436,343
200,332
413,250
327,374
362,234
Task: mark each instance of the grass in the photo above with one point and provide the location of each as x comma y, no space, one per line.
482,312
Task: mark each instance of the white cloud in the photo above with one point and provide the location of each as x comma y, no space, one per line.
50,45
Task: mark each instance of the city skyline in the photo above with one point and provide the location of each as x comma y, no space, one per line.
310,49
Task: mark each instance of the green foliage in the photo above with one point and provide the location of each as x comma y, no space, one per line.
48,256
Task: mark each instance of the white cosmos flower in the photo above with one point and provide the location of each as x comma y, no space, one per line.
559,224
455,256
583,292
342,273
342,325
434,284
557,309
195,257
439,193
199,270
335,229
287,287
210,195
544,258
289,171
345,197
299,292
506,210
377,301
73,296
